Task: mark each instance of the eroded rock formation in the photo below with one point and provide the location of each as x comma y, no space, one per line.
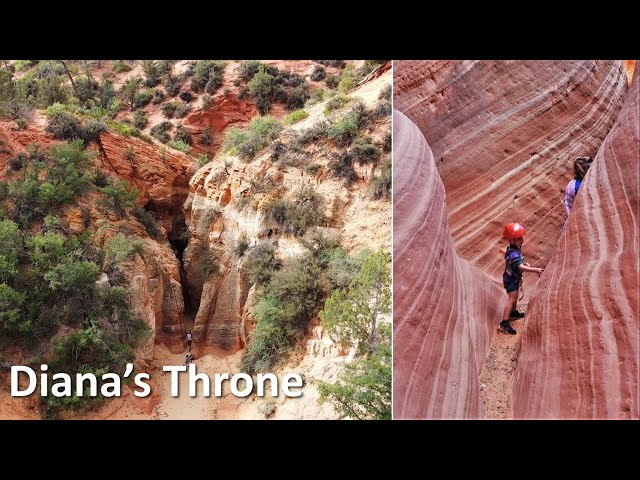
445,309
579,356
504,135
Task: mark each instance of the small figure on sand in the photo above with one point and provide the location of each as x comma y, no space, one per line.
189,339
189,358
512,277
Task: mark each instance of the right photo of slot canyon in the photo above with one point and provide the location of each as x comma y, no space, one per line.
516,239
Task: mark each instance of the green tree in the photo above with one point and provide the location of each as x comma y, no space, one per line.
262,88
10,243
270,338
10,310
119,196
351,315
129,90
262,263
364,390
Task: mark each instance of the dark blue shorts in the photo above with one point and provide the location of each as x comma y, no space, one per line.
511,284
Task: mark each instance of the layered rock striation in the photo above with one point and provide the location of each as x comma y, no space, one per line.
579,356
445,309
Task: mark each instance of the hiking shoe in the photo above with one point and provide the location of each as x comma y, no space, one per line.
504,327
516,314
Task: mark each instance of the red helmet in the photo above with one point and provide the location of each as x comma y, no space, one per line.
513,231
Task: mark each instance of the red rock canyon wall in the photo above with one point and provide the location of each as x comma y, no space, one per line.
445,310
504,135
579,356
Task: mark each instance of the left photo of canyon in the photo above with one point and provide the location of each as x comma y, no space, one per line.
231,214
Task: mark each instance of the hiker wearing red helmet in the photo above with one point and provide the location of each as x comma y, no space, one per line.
512,277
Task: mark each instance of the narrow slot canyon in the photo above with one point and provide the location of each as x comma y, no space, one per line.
464,166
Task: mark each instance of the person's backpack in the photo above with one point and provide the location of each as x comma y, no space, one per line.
578,183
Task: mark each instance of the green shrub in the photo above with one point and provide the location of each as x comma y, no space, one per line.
283,313
311,134
270,338
93,129
348,79
120,248
128,131
343,131
140,119
183,135
143,98
386,142
182,109
21,65
332,81
179,145
363,391
319,73
248,69
262,263
149,221
241,245
295,117
107,94
214,83
158,96
381,185
169,109
206,137
207,100
202,160
86,89
321,246
207,75
243,93
172,85
342,166
365,152
18,162
105,346
385,93
262,88
297,98
119,196
344,268
11,317
296,216
382,110
10,248
152,71
64,126
252,139
48,183
130,153
336,103
206,266
298,285
129,90
120,66
21,124
312,168
186,96
160,131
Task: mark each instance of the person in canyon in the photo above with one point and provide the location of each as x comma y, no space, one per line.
580,167
189,339
512,277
